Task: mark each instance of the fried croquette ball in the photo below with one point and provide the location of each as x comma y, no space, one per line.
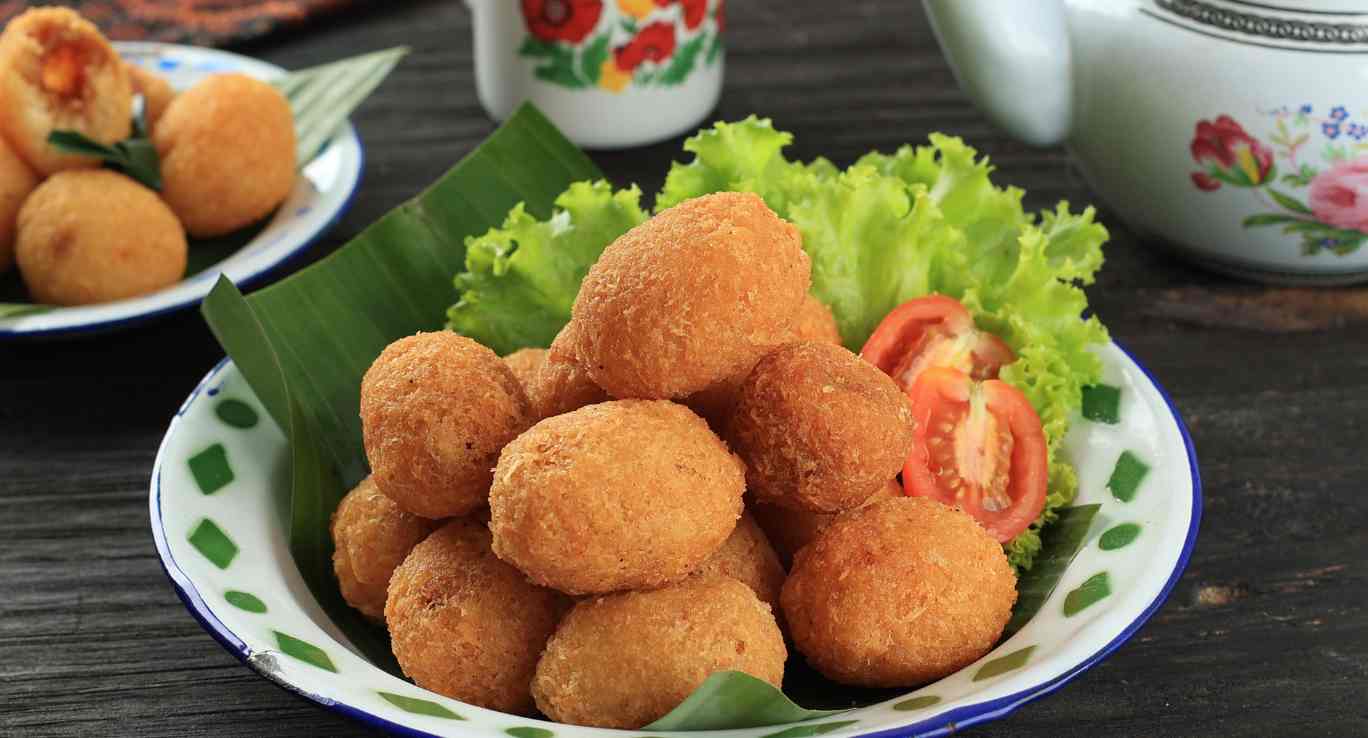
560,384
625,660
690,297
819,428
93,235
58,73
155,90
625,494
436,409
16,182
466,625
898,593
748,557
524,363
371,536
815,322
227,148
789,530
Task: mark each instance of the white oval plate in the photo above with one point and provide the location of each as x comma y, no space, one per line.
227,555
321,194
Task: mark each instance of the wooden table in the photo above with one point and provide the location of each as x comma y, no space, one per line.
1266,635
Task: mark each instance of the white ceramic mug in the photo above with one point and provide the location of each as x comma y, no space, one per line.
609,73
1235,131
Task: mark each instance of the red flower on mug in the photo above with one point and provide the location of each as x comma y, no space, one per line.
1230,155
655,42
694,10
561,20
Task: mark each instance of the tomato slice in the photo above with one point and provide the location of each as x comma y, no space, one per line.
934,331
978,446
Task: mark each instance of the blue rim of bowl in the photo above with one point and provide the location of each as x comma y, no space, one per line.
247,280
941,725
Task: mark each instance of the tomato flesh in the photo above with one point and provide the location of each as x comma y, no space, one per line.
978,446
934,331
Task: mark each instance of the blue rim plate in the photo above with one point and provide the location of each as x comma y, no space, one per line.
218,528
323,192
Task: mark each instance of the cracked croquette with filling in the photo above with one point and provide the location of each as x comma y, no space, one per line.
466,625
371,537
60,74
436,410
897,594
620,495
819,428
689,298
625,660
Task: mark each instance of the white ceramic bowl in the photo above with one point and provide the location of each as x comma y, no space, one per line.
321,194
222,540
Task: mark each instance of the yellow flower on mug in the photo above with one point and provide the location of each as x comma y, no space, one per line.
612,78
636,8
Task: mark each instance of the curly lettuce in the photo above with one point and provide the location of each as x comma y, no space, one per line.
923,220
521,279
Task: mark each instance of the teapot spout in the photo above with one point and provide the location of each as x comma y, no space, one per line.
1013,59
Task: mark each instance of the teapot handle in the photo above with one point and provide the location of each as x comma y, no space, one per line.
1013,59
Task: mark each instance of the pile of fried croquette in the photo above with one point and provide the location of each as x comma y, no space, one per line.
695,477
80,234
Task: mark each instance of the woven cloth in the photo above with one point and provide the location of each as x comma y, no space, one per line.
198,22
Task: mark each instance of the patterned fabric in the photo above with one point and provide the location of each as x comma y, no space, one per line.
198,22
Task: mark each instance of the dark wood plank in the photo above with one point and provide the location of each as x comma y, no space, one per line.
1267,634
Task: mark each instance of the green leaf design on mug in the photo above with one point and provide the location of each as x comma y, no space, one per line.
682,65
593,57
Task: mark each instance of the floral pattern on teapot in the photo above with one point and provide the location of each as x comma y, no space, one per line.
1320,196
615,44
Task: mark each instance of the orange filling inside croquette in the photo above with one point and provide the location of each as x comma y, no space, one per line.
63,70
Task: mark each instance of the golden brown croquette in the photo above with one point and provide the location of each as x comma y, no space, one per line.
620,495
371,536
227,148
466,625
17,181
524,364
690,297
748,557
560,384
436,409
898,593
93,235
155,90
815,322
819,428
789,530
625,660
59,73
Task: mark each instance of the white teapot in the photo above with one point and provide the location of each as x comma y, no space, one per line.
1235,131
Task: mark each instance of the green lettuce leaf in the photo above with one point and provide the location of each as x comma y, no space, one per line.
924,220
521,279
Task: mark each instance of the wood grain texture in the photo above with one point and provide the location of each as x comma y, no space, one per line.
1266,635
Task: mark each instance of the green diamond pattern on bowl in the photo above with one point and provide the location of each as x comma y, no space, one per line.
210,540
1093,589
917,703
803,731
236,413
245,601
419,706
304,651
1011,662
1102,404
529,732
1118,536
210,469
1125,479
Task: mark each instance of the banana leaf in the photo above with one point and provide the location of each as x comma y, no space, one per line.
304,344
